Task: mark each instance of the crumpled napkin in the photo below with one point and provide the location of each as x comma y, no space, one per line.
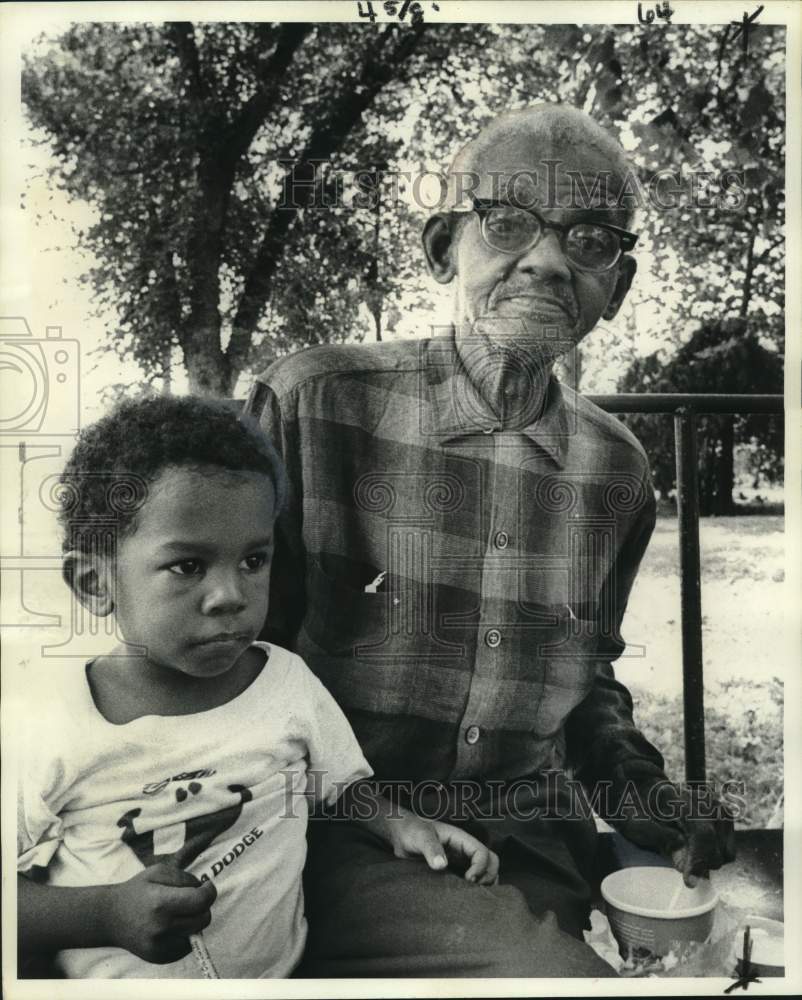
714,957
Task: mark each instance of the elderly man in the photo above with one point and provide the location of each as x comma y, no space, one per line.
461,539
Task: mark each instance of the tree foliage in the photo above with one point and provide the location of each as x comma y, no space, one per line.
724,357
184,138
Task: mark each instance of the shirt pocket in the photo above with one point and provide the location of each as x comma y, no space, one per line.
341,619
345,641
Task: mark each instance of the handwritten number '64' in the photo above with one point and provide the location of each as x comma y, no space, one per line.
661,10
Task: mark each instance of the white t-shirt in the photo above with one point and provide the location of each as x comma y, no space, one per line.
222,792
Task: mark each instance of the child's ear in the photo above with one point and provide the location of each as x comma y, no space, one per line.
90,578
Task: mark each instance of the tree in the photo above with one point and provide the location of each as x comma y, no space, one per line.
196,144
726,356
185,136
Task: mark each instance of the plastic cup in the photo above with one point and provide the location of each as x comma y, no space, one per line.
647,913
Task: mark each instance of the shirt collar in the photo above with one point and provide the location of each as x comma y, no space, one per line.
457,410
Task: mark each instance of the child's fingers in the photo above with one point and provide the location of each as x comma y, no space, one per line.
177,878
190,901
192,924
167,874
210,891
490,874
431,848
480,861
171,948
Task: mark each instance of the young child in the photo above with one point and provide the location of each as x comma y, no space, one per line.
163,792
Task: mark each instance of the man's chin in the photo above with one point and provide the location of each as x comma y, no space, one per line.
549,335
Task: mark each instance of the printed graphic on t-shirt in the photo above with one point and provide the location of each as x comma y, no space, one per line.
179,843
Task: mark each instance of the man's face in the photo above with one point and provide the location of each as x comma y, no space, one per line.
538,293
192,578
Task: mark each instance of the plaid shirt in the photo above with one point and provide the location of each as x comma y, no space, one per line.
484,650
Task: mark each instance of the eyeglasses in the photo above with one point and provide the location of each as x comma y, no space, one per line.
589,246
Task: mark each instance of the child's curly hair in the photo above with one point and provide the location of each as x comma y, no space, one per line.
106,479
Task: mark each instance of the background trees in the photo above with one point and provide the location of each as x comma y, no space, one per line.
723,356
184,138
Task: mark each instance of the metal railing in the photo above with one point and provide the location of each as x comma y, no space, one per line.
685,408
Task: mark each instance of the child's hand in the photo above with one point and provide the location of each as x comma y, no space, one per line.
153,913
410,836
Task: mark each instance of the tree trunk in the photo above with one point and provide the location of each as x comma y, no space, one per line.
383,62
707,459
749,270
207,367
167,370
716,466
725,468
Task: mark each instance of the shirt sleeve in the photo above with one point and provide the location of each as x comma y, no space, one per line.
39,828
335,757
602,740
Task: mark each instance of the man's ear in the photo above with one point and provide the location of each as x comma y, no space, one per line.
90,578
626,272
439,235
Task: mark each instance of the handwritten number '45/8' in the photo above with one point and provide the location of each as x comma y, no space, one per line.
391,9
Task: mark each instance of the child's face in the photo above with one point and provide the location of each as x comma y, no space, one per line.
192,579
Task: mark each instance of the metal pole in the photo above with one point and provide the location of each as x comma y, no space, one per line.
672,402
690,581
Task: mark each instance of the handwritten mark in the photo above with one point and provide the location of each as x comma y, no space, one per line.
661,10
391,9
746,971
743,29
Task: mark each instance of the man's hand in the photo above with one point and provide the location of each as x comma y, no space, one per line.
708,845
696,844
153,913
438,843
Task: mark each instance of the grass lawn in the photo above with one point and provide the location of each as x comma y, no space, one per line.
744,662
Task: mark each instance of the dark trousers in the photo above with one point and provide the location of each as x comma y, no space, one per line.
371,914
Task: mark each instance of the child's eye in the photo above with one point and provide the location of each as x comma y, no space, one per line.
255,561
186,567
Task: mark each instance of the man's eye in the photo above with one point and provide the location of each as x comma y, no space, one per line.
590,243
255,561
591,239
186,567
508,222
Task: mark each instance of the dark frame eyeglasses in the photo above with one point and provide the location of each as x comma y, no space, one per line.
586,259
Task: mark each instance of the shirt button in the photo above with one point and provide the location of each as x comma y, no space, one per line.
502,540
472,735
493,638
